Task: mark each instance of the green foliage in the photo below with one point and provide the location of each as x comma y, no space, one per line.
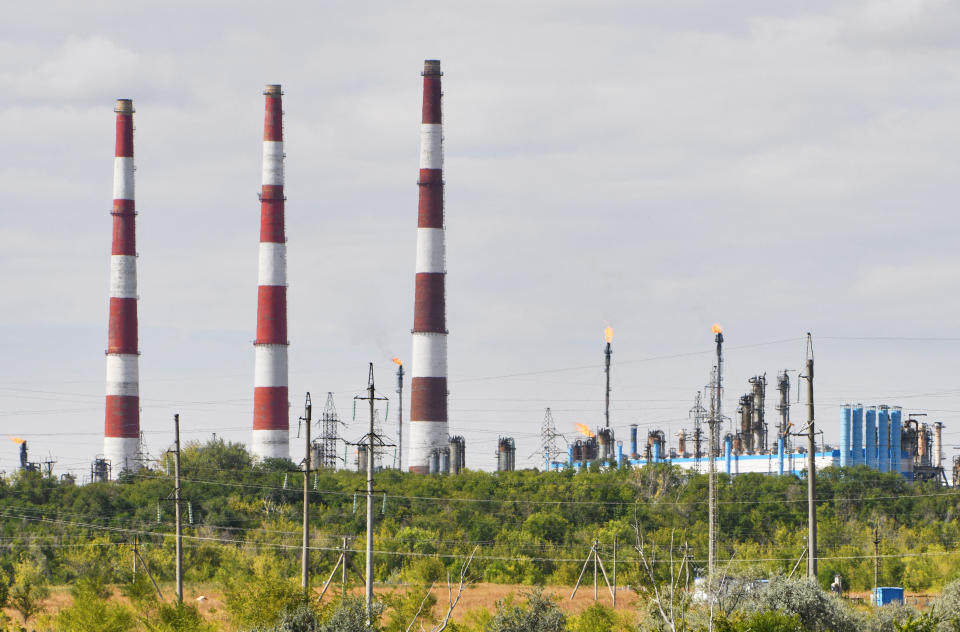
925,622
177,617
599,618
29,588
768,621
350,616
300,619
259,597
91,612
546,526
538,614
947,606
4,589
403,606
140,592
819,610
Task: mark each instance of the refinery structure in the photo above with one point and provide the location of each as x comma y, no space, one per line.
878,436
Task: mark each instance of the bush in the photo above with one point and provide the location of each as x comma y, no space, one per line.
90,612
260,598
179,617
599,618
947,606
538,614
819,610
350,615
769,621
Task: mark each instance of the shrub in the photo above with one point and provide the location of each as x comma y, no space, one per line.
538,614
819,611
90,612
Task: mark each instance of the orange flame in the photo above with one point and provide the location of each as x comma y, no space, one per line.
717,329
585,431
608,333
18,440
397,362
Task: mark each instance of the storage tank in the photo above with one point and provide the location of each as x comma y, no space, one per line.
444,457
506,454
856,436
362,457
458,453
896,430
883,439
845,416
870,440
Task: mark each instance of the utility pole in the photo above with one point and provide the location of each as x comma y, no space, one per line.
876,559
811,468
399,413
716,415
305,557
176,505
607,352
371,437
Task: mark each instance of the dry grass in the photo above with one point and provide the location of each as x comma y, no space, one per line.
474,596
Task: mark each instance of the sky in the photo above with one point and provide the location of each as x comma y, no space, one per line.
779,168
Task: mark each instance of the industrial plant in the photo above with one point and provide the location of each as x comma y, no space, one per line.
874,436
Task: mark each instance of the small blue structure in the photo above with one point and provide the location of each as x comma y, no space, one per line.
883,595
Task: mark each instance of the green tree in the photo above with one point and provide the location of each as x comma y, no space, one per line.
260,597
29,588
90,612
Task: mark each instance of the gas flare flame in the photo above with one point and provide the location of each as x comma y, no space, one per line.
608,334
585,431
18,440
397,362
717,329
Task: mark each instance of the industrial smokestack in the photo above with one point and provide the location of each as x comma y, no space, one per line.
270,404
121,437
428,399
607,352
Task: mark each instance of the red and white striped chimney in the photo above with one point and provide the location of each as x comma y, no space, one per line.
270,402
428,405
121,437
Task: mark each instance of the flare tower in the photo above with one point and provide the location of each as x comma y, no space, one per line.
428,405
121,440
270,398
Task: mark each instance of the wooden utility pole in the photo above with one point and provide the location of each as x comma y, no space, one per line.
305,556
176,505
811,469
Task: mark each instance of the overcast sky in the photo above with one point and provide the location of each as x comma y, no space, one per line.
777,167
